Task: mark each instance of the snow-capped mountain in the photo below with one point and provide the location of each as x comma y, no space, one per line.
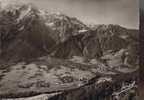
27,32
28,24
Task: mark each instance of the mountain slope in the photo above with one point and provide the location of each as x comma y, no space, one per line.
23,33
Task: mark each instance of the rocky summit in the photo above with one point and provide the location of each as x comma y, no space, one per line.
51,56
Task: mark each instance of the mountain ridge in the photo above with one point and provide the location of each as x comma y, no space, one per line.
56,34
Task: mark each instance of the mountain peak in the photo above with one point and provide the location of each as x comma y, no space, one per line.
14,7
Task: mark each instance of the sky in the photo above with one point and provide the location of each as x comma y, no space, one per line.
122,12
